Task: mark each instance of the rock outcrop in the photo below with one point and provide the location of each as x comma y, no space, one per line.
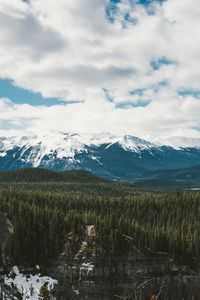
83,260
84,269
6,229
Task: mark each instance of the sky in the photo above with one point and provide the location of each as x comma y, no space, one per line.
90,66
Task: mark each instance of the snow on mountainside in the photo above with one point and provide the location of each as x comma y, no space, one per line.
116,157
135,144
65,145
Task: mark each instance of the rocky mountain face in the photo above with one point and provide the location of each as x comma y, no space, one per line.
115,157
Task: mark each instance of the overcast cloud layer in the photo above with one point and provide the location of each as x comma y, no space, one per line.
122,69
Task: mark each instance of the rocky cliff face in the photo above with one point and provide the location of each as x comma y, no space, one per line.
84,268
84,271
5,231
83,260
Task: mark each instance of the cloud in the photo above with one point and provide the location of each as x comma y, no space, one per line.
158,119
76,50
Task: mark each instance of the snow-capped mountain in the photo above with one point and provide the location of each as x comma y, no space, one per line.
121,157
65,145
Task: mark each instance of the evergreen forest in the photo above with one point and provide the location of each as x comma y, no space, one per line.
43,213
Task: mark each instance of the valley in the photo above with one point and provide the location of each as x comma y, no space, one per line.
101,238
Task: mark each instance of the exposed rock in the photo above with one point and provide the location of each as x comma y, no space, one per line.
6,229
85,271
82,260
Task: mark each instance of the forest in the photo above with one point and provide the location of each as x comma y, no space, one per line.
43,213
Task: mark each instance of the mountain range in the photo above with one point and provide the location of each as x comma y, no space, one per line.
115,157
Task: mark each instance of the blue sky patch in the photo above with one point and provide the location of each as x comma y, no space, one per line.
149,2
21,96
139,103
185,92
129,104
156,64
112,9
196,128
128,19
137,92
108,96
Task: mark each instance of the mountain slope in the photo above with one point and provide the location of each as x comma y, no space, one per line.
114,157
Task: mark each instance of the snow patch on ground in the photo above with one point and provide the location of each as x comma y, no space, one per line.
28,285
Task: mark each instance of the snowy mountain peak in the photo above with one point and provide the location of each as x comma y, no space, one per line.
134,143
38,146
112,156
101,138
66,145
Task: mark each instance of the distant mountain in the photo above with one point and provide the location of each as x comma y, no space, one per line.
114,157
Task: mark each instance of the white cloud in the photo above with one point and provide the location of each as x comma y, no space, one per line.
70,50
157,119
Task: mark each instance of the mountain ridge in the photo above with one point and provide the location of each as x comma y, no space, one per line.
39,175
115,157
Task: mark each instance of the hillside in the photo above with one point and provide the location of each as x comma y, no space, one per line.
186,177
44,175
